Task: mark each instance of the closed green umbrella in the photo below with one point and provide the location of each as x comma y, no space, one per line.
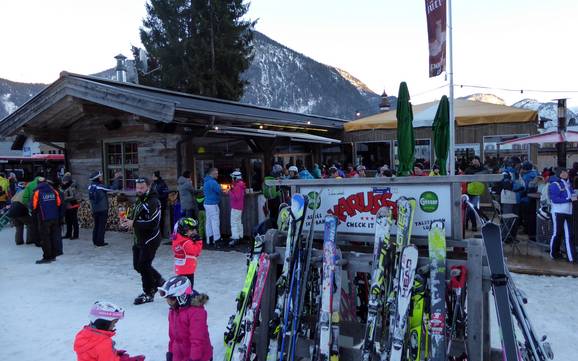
441,134
405,137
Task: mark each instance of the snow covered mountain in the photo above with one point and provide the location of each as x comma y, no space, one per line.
278,78
13,95
283,78
549,111
486,98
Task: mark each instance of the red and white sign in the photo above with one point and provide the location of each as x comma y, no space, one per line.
436,30
356,206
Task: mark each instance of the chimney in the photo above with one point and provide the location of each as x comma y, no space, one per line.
384,104
120,68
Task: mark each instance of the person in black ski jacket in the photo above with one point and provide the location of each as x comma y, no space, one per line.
159,187
145,220
47,207
97,194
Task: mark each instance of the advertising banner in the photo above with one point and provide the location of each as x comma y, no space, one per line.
356,206
436,30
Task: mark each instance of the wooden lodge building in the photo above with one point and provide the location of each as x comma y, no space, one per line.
118,126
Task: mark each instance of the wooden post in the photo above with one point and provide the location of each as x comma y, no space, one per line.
268,301
474,301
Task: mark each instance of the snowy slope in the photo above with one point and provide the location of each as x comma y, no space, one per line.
45,305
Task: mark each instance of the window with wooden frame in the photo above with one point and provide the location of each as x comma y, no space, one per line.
122,158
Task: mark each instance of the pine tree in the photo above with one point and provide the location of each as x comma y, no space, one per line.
197,46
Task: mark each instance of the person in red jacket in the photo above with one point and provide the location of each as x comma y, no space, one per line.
187,246
188,329
94,341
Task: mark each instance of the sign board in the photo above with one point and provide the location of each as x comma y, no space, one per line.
357,205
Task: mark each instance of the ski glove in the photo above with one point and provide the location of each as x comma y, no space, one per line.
169,356
126,357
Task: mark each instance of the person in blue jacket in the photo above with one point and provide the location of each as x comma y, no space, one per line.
561,195
212,191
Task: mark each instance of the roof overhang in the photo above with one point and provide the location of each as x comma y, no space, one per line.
51,108
265,133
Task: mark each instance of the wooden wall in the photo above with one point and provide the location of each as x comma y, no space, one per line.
156,151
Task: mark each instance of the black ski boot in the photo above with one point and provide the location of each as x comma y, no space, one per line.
144,298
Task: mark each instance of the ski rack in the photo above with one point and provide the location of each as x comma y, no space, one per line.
468,252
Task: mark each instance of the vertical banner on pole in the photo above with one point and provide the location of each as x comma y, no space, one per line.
436,31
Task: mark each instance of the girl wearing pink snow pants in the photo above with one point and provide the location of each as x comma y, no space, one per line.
188,329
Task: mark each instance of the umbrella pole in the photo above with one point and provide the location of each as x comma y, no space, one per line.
452,157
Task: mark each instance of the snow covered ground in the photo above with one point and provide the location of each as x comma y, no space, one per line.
43,306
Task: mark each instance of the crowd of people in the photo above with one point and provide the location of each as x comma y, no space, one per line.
45,206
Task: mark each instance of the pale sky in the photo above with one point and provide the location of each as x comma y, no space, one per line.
497,43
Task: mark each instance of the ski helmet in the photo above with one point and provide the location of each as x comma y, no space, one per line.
103,313
236,175
185,225
178,287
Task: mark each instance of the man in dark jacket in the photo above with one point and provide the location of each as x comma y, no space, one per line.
47,207
145,219
97,194
71,205
159,187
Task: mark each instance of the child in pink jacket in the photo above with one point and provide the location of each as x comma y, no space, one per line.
237,197
188,329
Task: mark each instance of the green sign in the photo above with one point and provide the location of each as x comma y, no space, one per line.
429,202
314,200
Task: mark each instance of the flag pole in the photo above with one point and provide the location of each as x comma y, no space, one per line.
452,157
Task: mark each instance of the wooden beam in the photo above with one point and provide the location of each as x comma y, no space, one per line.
50,144
57,135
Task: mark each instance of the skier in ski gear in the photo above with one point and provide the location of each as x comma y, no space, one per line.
561,195
188,328
187,246
293,172
237,197
94,341
47,208
212,191
145,219
97,194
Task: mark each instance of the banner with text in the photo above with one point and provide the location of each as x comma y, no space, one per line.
356,206
436,31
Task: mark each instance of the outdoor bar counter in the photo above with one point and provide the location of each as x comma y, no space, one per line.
252,213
